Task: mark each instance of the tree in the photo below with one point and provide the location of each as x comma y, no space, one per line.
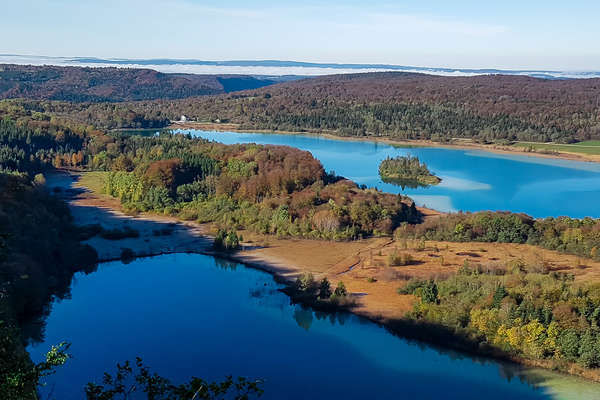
340,290
307,284
324,289
499,294
589,356
428,292
226,240
569,344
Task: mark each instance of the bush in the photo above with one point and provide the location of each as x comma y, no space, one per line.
306,283
226,240
340,290
401,259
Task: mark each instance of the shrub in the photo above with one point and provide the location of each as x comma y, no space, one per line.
401,259
324,289
226,240
340,290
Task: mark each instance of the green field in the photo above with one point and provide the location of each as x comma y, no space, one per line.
591,147
94,181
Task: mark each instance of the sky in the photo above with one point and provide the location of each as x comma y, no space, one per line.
508,34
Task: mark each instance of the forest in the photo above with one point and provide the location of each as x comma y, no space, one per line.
525,311
567,235
84,84
267,189
491,108
406,106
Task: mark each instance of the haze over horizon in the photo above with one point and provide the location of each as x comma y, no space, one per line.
465,34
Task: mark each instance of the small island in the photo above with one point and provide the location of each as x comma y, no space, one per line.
407,171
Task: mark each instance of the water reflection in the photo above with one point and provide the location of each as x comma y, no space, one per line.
211,318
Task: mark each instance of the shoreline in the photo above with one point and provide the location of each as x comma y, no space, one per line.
465,144
378,302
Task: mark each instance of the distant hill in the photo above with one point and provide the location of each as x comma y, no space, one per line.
83,84
399,105
411,106
282,67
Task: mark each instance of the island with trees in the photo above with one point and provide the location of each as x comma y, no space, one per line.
407,171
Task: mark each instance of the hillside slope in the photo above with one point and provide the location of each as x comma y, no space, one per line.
412,106
113,84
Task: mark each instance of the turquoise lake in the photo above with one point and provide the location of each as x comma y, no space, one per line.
189,314
472,180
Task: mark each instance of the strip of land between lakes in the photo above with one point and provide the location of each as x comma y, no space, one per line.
361,264
457,143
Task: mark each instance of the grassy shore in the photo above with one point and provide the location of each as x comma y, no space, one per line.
590,147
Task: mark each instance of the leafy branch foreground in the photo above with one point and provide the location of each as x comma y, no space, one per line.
135,377
16,374
16,380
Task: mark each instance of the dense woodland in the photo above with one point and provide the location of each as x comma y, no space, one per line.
521,310
409,106
267,189
80,84
567,235
399,105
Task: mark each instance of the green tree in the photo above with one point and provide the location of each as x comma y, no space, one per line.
428,292
589,355
569,344
499,294
340,290
324,289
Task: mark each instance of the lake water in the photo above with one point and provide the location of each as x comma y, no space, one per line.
189,314
473,180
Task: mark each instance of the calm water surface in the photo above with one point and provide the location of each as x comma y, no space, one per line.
189,314
473,180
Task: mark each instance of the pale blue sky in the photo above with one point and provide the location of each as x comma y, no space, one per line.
471,34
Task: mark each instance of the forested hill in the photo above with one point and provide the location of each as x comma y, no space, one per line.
413,106
113,84
394,104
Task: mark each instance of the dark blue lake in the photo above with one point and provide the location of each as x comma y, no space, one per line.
189,314
473,180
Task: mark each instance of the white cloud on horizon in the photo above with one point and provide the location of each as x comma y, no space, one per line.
264,70
325,32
